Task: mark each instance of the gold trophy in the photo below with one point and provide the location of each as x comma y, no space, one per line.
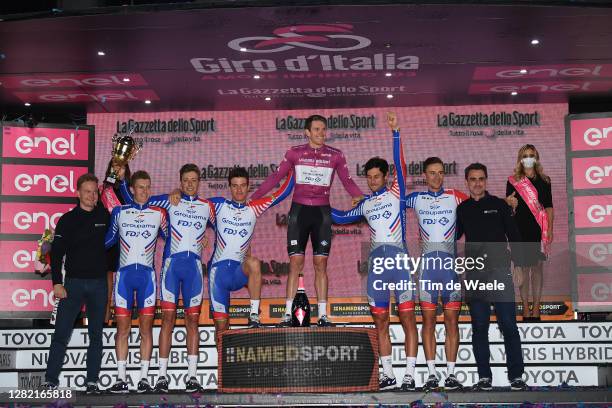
124,150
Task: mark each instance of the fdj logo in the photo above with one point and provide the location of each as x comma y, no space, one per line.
428,221
243,233
131,233
146,234
444,220
387,214
184,223
230,231
198,225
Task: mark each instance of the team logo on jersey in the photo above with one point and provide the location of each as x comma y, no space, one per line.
237,217
443,220
387,214
191,209
434,206
146,234
198,225
243,233
139,219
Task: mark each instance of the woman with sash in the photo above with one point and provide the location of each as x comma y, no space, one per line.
529,194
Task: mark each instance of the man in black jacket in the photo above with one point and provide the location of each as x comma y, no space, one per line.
488,227
79,236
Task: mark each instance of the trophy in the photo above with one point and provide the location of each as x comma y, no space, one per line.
124,150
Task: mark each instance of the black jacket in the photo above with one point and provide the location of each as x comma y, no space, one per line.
79,236
488,227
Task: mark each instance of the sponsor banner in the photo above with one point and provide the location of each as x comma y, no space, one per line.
37,339
592,172
34,180
595,289
541,87
532,354
74,81
593,211
594,250
30,218
77,358
530,333
297,360
26,295
45,143
534,376
597,353
17,256
561,71
350,309
277,310
591,134
94,95
177,379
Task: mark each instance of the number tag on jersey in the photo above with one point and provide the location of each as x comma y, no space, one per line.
314,176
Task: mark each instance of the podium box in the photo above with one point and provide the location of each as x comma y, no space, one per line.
332,359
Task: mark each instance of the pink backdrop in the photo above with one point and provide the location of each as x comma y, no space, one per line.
253,139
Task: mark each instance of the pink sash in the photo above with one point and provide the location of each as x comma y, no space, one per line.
109,198
530,195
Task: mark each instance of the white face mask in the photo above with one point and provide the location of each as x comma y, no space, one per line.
529,162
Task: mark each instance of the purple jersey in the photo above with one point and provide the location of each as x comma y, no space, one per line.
314,174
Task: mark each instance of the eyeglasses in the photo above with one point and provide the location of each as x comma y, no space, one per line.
525,156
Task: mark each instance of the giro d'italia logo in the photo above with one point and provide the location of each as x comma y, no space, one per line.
322,37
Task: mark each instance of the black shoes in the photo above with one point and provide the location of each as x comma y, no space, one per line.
408,383
484,384
120,387
431,384
325,322
386,383
451,383
161,386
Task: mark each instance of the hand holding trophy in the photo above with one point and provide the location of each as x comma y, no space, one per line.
125,149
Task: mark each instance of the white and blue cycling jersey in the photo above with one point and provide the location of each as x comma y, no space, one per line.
235,224
385,212
182,265
385,209
436,213
136,228
188,221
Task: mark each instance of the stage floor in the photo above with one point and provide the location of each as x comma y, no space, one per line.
589,396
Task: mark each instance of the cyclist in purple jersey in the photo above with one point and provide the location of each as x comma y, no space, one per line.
315,165
385,212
